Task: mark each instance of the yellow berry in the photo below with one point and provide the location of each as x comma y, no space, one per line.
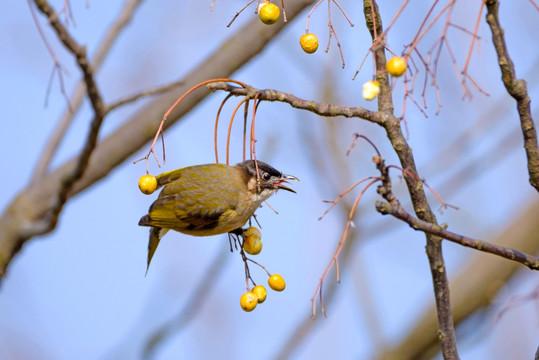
276,282
147,184
248,301
252,245
269,13
260,293
251,241
309,43
371,89
396,66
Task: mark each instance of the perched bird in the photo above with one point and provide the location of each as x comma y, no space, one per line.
210,199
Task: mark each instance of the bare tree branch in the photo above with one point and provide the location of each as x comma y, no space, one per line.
75,101
518,90
50,218
58,67
78,51
309,105
391,124
394,208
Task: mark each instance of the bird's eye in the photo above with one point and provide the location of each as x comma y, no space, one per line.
266,176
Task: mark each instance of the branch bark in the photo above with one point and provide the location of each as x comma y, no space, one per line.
66,182
446,331
321,109
517,89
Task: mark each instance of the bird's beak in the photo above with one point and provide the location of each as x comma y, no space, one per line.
284,187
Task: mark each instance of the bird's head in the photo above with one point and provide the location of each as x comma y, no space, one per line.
267,179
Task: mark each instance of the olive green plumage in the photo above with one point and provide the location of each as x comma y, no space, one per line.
211,199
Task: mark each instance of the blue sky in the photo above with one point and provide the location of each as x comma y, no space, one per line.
81,291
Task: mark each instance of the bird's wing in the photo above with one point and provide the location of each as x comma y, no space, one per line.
173,212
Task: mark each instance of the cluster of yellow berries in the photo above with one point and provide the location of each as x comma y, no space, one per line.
269,13
252,245
396,66
257,295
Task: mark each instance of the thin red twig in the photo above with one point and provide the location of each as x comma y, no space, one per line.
216,126
334,258
244,100
159,131
476,29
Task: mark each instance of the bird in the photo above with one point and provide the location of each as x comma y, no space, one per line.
210,199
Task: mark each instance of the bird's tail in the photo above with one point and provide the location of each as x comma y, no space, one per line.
156,233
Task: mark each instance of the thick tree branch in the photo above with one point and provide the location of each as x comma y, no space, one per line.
329,110
518,90
391,124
